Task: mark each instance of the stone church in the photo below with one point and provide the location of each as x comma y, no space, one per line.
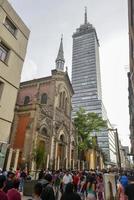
43,119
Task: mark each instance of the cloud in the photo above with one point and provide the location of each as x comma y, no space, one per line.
29,70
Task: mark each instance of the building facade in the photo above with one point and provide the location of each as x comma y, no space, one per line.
86,81
131,73
86,70
13,44
124,151
43,119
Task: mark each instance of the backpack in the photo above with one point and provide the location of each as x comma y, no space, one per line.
124,181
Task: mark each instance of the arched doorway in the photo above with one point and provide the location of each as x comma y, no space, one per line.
61,153
40,155
72,155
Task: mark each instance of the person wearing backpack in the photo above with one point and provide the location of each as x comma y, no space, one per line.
47,189
124,180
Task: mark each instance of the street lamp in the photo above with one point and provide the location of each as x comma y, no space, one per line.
117,145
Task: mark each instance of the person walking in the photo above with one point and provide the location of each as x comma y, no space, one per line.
121,192
47,189
37,191
129,190
124,180
13,194
69,193
91,193
76,180
100,187
3,196
67,178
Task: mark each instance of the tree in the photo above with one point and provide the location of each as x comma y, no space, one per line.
39,157
87,123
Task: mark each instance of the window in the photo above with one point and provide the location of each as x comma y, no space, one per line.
44,98
63,101
26,100
44,132
1,88
3,52
62,138
66,105
10,26
60,100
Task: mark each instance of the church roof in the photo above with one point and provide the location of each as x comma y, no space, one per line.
60,56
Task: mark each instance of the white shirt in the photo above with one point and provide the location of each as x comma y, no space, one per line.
67,179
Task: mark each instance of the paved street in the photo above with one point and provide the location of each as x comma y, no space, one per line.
28,198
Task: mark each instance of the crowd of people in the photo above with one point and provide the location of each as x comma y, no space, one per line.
63,185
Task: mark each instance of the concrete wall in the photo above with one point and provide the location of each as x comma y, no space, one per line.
10,70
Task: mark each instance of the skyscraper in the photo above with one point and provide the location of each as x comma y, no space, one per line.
86,81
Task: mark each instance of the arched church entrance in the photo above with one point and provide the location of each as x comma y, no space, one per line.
61,153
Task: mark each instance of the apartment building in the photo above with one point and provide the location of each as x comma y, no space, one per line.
14,36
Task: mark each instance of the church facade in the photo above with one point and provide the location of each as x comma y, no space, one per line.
43,121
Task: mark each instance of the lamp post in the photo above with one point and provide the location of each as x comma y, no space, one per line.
117,145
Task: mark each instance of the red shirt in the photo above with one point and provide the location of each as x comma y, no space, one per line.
3,196
76,180
13,194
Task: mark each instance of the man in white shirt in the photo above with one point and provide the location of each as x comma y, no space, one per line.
67,178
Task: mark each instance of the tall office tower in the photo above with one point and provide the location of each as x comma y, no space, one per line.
14,36
86,81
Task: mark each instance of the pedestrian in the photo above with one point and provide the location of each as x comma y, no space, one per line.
17,174
82,186
129,190
76,180
121,192
9,181
37,191
47,189
13,194
41,174
56,184
23,176
124,180
91,188
69,194
67,178
3,195
100,187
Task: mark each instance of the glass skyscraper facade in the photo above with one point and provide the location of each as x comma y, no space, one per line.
86,81
86,70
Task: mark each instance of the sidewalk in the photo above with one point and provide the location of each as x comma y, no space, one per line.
26,198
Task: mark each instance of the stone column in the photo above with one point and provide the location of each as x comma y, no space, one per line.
51,152
83,165
16,159
70,149
66,157
78,164
47,165
56,147
58,163
92,160
9,159
73,163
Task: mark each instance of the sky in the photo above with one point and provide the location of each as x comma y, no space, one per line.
48,19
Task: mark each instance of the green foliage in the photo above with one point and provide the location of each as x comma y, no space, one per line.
87,123
39,156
